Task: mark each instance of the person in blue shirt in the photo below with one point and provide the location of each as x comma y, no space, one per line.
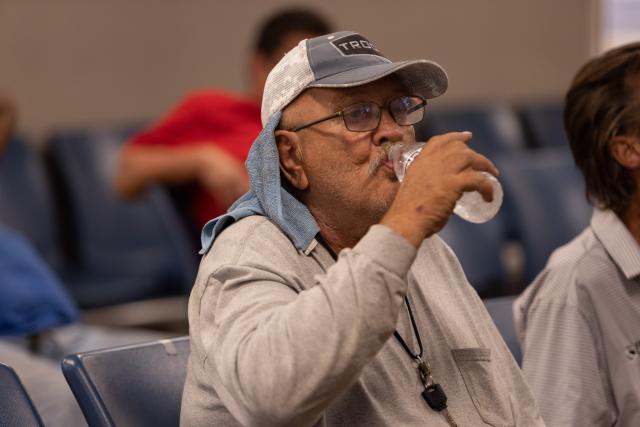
39,322
31,301
31,297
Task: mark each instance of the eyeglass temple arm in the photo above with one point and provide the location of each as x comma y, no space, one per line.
417,107
332,116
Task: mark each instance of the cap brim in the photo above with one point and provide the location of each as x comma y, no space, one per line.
422,77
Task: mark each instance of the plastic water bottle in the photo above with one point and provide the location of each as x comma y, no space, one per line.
470,206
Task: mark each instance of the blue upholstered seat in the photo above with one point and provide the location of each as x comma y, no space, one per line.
137,385
16,407
130,250
544,192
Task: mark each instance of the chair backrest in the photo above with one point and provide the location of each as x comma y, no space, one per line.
543,124
26,202
544,192
143,239
495,127
137,385
501,311
479,250
16,407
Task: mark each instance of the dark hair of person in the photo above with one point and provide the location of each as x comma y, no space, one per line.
602,103
277,27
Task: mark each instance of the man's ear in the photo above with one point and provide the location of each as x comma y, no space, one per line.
291,163
626,151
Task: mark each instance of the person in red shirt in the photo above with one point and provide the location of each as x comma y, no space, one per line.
202,144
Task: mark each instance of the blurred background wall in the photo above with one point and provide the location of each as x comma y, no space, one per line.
78,62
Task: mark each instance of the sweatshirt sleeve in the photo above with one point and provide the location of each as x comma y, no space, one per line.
282,356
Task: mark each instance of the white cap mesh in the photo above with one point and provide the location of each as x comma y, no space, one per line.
286,81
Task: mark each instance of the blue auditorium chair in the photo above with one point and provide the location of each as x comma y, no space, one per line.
544,193
501,311
495,127
137,385
124,250
543,124
26,202
16,407
479,250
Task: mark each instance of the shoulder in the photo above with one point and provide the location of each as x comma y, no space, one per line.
253,240
19,258
581,264
36,299
216,98
573,272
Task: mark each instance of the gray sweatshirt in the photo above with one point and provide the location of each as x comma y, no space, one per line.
279,337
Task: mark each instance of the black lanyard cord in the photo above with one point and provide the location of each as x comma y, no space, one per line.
396,334
433,393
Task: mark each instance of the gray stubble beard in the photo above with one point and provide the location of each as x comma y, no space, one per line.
377,163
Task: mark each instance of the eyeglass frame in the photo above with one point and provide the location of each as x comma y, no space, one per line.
340,113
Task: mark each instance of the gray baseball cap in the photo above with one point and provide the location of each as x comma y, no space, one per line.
343,59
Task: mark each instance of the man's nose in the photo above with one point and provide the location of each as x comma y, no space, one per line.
388,130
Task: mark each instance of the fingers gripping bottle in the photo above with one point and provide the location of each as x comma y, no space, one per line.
470,206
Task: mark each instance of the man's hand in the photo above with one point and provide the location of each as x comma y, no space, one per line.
434,182
222,175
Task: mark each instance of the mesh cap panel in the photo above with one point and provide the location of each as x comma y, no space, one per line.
286,81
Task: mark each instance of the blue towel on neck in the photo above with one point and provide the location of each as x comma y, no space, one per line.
266,197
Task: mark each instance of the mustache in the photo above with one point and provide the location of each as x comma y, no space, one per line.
377,162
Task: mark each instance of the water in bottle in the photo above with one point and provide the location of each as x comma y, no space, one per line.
470,206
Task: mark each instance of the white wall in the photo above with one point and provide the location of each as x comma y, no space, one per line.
74,62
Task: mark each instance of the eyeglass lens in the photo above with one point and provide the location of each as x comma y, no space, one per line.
405,110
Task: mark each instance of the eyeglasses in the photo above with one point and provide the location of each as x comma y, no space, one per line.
365,116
